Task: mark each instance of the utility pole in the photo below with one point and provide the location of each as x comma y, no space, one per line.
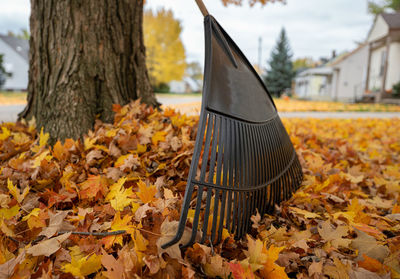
259,52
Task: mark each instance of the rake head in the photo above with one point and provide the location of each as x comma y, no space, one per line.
243,160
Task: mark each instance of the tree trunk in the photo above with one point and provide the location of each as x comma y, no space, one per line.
85,55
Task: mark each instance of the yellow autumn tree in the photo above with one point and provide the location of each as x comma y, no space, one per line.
164,48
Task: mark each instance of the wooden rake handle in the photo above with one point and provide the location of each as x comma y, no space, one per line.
202,7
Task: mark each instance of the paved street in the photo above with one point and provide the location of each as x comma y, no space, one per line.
10,112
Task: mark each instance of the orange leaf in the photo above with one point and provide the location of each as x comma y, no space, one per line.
94,187
146,194
371,264
239,272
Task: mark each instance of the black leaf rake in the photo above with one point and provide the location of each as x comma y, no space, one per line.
243,160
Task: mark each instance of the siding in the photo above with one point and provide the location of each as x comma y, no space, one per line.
15,64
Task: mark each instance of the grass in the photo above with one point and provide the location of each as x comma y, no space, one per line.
12,98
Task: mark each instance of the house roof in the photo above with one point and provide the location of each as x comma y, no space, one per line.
20,46
319,71
392,20
345,56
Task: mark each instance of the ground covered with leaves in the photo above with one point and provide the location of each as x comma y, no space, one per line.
102,207
292,105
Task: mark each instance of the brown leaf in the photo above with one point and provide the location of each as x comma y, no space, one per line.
168,231
366,244
115,269
7,268
56,224
48,247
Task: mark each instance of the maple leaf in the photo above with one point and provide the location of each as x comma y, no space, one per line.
118,196
217,266
115,269
168,230
146,193
7,269
15,192
43,138
334,236
5,133
56,224
82,265
158,136
94,187
119,224
367,245
34,220
255,256
8,213
239,272
372,265
271,270
305,213
49,246
315,269
338,270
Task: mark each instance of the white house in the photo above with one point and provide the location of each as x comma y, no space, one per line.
349,75
365,71
314,83
383,54
186,85
16,62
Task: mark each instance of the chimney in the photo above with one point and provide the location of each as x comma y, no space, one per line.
333,54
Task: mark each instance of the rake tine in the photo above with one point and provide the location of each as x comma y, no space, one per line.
206,215
229,182
236,178
196,218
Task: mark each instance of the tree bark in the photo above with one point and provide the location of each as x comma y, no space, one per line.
85,55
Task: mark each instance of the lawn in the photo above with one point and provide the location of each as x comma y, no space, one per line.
12,98
129,178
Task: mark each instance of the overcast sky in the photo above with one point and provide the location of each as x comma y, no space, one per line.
314,27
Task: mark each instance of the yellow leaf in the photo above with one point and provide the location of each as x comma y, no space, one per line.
255,256
35,212
146,194
118,196
158,136
34,220
14,191
140,242
82,265
271,270
5,133
8,213
305,213
141,148
38,160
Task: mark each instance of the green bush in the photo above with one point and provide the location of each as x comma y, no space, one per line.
396,90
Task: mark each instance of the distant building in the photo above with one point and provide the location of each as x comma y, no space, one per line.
186,85
16,61
383,54
314,83
369,71
349,75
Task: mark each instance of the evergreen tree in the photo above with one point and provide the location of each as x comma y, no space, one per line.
280,73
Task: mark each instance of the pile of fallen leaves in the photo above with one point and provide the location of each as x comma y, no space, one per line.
102,208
